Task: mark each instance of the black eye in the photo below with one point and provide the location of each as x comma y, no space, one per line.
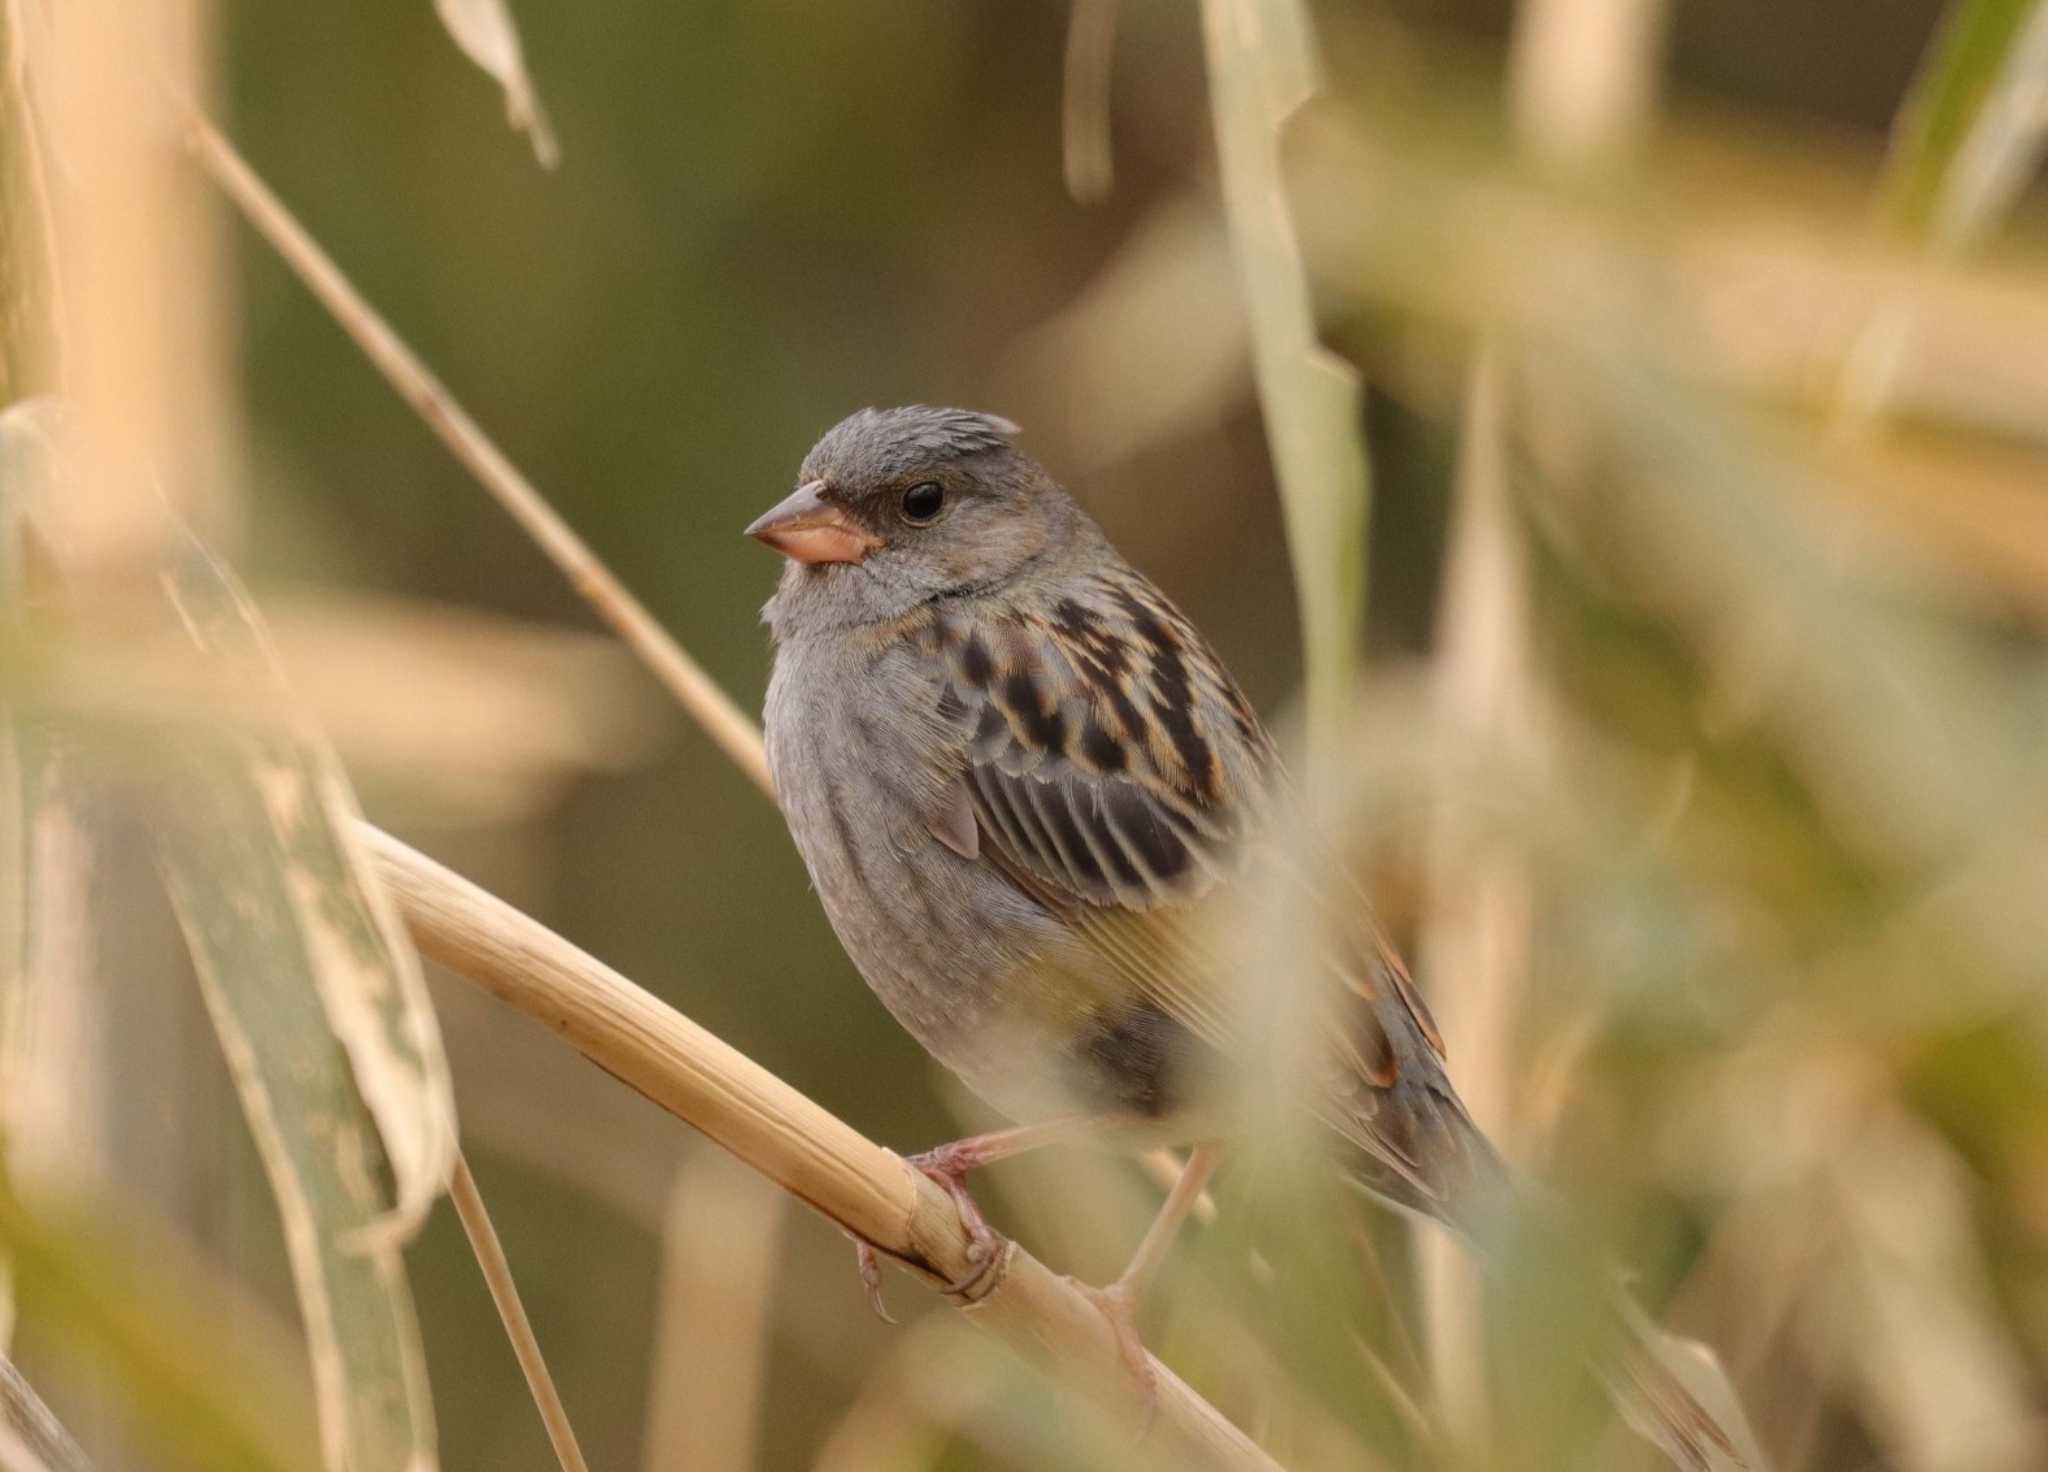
923,502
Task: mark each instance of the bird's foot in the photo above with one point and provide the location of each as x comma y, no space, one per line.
1119,1302
948,1165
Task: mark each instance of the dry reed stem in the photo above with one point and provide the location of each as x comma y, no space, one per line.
490,1256
694,690
824,1162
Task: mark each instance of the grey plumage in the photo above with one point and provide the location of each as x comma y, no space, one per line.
1015,772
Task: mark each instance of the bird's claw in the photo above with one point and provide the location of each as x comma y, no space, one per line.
871,1277
948,1165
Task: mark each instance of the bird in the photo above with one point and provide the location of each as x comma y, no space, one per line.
1019,777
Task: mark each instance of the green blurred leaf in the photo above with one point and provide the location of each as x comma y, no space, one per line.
123,1314
1972,125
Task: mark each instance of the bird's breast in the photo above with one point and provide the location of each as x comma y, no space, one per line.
974,970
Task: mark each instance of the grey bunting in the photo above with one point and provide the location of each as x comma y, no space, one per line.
1015,772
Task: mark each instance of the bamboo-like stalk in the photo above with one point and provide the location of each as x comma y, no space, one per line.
816,1157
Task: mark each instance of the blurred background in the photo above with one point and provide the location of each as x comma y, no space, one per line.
1740,708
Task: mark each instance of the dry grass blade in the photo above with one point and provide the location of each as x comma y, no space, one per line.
281,779
322,1015
490,1256
735,734
487,36
315,995
1261,69
48,1099
808,1152
1479,933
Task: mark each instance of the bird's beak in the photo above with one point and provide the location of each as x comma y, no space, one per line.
808,528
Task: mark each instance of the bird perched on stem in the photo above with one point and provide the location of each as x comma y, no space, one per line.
1016,773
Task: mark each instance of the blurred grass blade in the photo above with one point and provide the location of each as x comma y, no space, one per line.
487,36
721,1254
1085,154
32,1439
130,1320
48,1089
1261,57
1967,139
1972,128
346,938
321,1011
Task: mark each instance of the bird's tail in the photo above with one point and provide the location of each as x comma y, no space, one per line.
1424,1154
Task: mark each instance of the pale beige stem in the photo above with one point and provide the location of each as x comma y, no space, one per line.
694,690
1165,1228
785,1136
490,1256
1165,1166
721,1264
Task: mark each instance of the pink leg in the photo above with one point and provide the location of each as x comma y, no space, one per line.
1121,1300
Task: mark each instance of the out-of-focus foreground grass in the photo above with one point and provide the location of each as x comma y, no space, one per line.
1696,751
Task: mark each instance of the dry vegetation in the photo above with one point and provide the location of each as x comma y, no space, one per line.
1716,812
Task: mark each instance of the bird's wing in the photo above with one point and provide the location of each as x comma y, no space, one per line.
1112,769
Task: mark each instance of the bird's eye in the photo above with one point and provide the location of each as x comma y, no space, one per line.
923,502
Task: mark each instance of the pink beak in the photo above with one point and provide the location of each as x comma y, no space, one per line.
808,528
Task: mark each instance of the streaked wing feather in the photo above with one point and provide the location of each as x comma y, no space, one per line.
1112,767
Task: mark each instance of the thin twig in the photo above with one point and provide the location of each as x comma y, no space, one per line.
694,690
868,1191
490,1256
